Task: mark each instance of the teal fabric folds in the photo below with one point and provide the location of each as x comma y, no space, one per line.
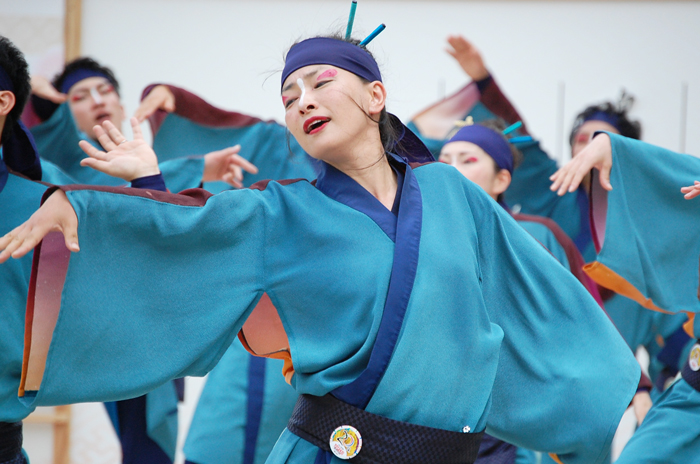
217,432
494,322
670,432
647,231
18,200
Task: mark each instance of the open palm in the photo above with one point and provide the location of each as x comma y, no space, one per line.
122,158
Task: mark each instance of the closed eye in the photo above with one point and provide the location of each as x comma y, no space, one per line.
289,102
319,84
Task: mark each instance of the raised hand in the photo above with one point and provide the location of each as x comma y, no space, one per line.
41,87
227,165
160,98
691,191
467,56
598,154
55,215
122,158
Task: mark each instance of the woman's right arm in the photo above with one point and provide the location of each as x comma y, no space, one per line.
161,286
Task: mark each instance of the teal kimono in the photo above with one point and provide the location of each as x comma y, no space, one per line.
488,321
649,247
244,395
196,127
19,198
529,194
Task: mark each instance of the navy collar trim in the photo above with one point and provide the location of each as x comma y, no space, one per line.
344,189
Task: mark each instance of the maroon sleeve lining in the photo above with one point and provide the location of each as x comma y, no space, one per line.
574,257
196,109
495,100
189,197
262,184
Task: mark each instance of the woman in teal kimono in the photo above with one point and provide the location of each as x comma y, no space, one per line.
484,155
412,312
528,193
637,195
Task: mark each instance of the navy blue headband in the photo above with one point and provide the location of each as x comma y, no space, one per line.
493,143
338,53
19,151
78,75
611,119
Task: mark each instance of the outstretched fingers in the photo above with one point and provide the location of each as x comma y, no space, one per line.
115,135
103,137
91,151
136,129
18,242
691,191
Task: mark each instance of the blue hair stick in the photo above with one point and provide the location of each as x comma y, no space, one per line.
512,127
522,139
351,19
374,34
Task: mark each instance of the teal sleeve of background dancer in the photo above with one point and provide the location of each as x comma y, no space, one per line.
542,234
161,417
651,234
52,174
217,432
551,393
157,292
182,173
529,191
265,144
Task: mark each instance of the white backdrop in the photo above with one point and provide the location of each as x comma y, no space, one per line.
225,49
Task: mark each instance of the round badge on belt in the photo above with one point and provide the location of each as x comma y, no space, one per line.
694,359
345,442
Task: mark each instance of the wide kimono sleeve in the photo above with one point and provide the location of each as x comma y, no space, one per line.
565,376
647,234
159,289
197,127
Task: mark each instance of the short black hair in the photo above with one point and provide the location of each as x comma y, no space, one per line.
619,110
15,66
85,63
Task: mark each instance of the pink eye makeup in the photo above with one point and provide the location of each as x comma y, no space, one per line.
327,73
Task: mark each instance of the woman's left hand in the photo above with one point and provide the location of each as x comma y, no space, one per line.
121,158
598,154
691,191
228,166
